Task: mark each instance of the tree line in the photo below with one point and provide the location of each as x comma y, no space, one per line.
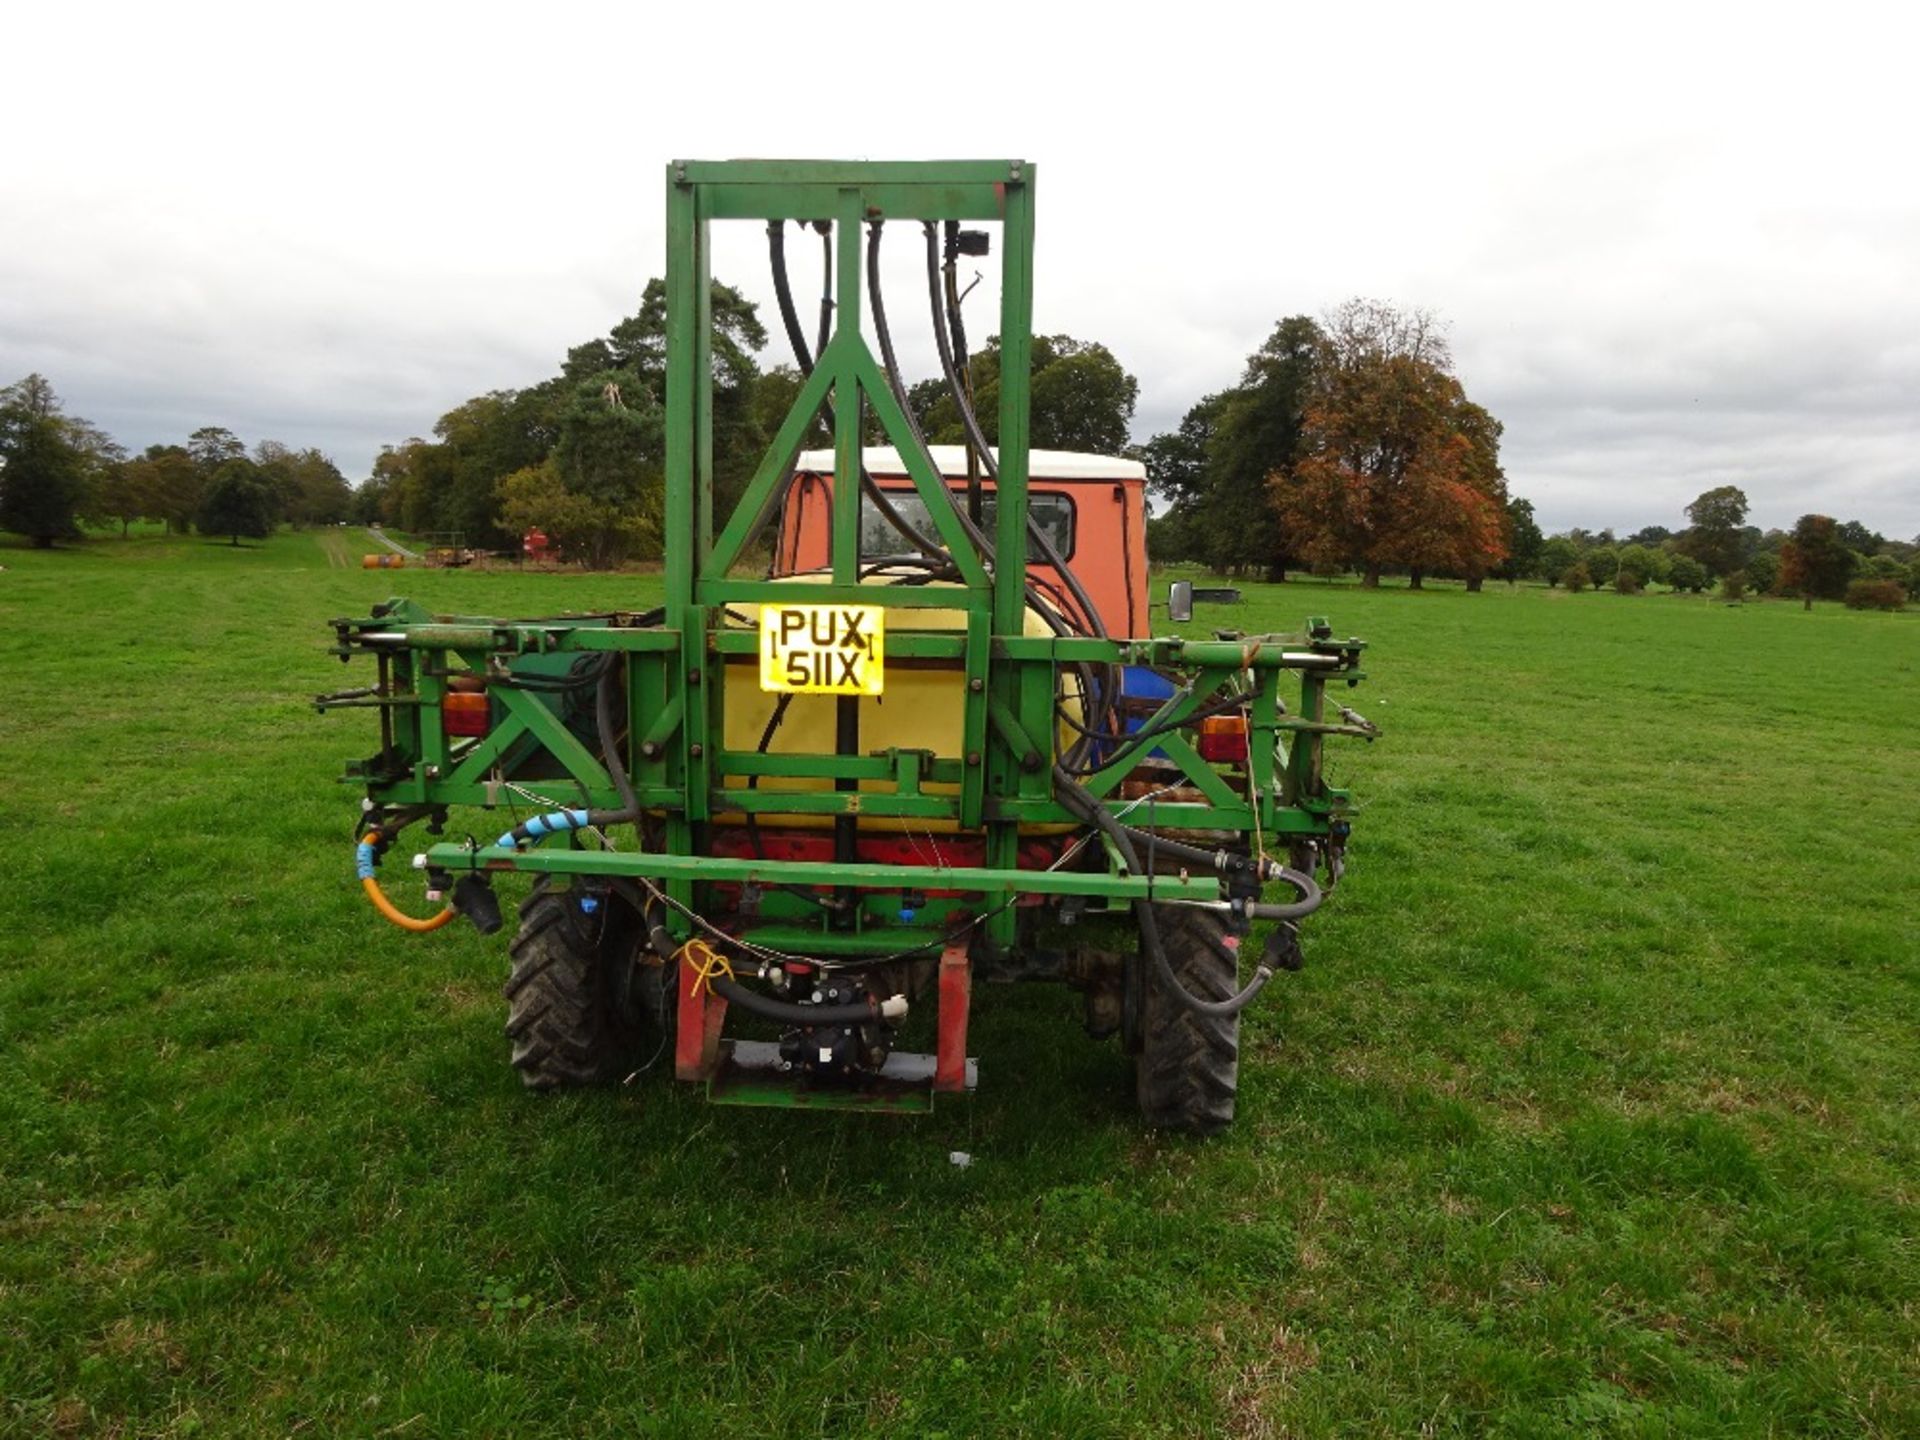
1349,445
1819,558
581,455
59,472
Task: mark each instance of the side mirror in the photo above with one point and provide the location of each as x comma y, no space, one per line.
1180,601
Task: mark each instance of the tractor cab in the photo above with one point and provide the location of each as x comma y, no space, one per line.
1092,509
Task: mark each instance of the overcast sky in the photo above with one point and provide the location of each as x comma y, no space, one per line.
1676,246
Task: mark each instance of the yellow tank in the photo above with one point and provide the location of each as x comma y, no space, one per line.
923,708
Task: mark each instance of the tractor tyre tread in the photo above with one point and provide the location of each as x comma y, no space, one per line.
560,1016
1188,1069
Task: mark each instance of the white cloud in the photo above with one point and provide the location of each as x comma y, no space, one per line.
1677,245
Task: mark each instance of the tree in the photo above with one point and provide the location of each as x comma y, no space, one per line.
1645,565
124,493
598,420
1650,536
324,495
1397,468
488,437
1557,556
1179,473
1714,538
239,501
610,454
1083,401
1763,572
593,532
639,348
1219,469
774,393
1079,397
1814,562
43,471
1856,536
364,509
1525,544
1688,573
1603,563
211,446
1883,567
307,487
1576,579
1254,449
1875,595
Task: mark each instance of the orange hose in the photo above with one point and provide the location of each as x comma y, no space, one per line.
405,922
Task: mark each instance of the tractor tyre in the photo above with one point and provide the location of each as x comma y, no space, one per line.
1187,1070
583,1005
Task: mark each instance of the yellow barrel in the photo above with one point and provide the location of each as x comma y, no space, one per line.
922,708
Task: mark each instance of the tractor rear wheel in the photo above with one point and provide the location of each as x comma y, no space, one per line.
583,1005
1187,1070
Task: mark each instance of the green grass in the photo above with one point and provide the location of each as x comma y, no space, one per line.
1593,1112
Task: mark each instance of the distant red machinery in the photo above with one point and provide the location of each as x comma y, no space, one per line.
537,547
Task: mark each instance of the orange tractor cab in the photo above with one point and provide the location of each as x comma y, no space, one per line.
1091,507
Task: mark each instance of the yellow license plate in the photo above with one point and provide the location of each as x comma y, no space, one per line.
823,649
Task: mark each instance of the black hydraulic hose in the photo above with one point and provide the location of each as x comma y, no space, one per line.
787,1013
947,331
789,318
978,439
1259,910
956,324
880,327
790,321
609,745
890,362
826,289
1076,799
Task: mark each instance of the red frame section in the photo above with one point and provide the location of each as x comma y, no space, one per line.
956,1001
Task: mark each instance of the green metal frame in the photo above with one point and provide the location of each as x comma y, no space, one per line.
675,669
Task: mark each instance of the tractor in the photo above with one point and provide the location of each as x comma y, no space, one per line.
932,741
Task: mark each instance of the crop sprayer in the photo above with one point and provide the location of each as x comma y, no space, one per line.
933,741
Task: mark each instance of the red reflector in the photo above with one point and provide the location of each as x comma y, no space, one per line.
1223,738
465,714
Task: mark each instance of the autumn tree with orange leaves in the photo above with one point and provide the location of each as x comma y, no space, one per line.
1397,469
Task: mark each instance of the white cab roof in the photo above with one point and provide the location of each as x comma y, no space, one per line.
952,460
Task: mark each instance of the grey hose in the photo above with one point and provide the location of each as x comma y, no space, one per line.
1076,799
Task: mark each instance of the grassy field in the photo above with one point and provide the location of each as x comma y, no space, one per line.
1594,1110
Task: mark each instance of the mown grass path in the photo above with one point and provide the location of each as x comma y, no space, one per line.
1593,1112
